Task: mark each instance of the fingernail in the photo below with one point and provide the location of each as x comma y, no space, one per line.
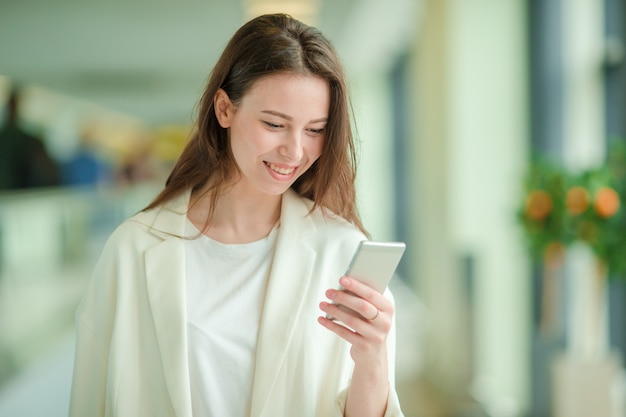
344,281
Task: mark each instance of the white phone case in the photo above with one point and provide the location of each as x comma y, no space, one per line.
374,263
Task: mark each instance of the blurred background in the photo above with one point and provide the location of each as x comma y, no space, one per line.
476,119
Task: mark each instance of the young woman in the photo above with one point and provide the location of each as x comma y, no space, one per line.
210,302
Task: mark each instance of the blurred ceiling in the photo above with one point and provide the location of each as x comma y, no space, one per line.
150,58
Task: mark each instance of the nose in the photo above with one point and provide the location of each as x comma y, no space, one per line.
291,148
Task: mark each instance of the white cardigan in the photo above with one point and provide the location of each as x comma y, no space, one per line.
131,348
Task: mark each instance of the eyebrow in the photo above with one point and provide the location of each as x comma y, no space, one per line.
286,117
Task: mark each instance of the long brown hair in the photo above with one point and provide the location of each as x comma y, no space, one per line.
267,45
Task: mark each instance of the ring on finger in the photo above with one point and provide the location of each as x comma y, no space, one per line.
376,316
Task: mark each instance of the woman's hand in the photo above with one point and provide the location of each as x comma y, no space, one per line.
363,317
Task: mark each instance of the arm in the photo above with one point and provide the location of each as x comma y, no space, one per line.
94,323
366,330
89,378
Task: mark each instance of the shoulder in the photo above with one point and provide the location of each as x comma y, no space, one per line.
329,234
128,237
154,225
149,227
325,221
333,226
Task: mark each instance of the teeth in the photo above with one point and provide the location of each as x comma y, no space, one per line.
284,171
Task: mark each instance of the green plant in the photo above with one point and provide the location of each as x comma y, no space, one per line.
560,207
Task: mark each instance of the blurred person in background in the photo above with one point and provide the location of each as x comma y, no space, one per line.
211,301
24,160
85,166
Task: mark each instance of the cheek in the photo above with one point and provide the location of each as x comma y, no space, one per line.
248,140
314,149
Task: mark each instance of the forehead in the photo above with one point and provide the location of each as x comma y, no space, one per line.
289,93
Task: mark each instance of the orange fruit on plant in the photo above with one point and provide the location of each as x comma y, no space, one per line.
577,200
606,202
538,204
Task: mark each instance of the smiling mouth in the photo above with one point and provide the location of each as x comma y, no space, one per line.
280,170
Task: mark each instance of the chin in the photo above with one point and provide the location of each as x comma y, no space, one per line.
277,190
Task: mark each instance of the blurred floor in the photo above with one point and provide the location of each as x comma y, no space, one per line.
42,389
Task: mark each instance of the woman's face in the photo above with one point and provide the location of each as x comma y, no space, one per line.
277,130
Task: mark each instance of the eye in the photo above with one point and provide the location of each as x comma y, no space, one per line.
272,125
317,131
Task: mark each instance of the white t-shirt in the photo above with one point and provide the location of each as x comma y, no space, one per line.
226,286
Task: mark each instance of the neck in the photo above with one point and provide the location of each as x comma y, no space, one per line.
240,216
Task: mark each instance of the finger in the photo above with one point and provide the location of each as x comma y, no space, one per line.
353,303
367,293
354,321
360,298
345,333
370,340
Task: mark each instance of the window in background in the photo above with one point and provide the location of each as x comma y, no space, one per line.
615,122
546,72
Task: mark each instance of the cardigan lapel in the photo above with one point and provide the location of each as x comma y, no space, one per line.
289,279
165,272
165,269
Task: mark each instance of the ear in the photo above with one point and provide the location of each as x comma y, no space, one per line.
224,108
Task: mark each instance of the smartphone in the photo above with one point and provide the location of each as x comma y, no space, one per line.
374,263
